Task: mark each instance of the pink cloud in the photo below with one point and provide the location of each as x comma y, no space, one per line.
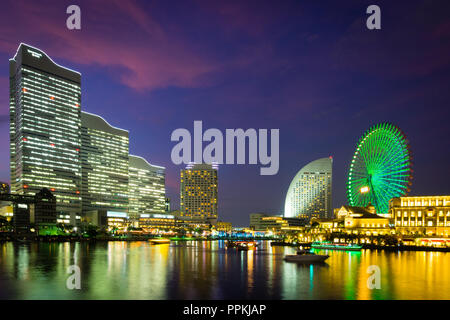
150,58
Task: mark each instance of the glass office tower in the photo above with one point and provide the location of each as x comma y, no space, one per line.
198,191
147,189
45,141
309,194
104,162
78,156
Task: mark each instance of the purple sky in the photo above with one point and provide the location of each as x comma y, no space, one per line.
310,68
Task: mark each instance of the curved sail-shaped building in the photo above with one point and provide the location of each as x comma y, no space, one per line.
309,194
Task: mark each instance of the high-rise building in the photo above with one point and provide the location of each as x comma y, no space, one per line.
309,194
104,163
45,122
78,156
198,192
147,190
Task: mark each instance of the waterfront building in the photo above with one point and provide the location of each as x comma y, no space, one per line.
265,222
327,225
21,217
309,194
354,220
198,192
43,211
6,210
347,211
26,211
107,220
45,121
421,215
190,225
256,220
147,192
117,221
224,226
5,207
104,164
155,223
364,221
274,223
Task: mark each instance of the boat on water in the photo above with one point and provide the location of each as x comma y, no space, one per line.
182,239
231,244
159,241
23,240
242,245
304,256
336,246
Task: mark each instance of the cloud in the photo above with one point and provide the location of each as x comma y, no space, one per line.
140,52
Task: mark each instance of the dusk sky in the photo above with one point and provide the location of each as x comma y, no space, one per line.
309,68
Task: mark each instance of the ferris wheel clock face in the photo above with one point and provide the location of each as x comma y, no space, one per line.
380,169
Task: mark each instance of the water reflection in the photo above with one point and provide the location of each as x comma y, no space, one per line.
208,270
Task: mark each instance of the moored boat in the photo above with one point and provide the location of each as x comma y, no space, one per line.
231,244
242,245
159,241
336,246
304,256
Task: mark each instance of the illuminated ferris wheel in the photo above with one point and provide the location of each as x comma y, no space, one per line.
380,169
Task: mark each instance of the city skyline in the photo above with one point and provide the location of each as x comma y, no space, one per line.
341,95
235,158
76,155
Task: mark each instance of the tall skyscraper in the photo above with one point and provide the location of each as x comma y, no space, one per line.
45,122
104,162
78,156
309,194
198,191
146,187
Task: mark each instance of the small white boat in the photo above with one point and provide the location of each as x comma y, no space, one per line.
303,256
159,241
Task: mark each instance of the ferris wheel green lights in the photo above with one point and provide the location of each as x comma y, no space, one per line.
380,169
